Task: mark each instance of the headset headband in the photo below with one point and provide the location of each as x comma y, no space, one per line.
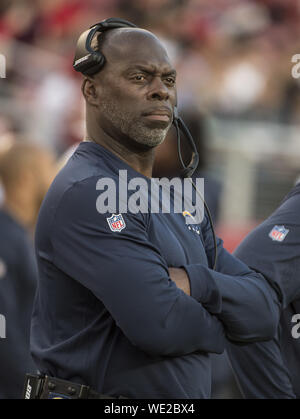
88,61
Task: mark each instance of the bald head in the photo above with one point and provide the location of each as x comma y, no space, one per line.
131,100
25,165
17,158
26,172
118,44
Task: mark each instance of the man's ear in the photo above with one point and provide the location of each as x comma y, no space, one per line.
89,91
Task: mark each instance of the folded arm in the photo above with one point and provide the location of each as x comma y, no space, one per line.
250,308
128,274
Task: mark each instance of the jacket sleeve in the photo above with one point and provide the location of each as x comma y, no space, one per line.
278,261
129,275
250,307
273,249
268,377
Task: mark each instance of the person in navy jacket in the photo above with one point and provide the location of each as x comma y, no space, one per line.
25,173
129,303
273,249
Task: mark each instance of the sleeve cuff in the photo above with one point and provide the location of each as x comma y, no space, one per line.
204,289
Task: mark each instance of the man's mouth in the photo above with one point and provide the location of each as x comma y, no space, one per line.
163,114
158,117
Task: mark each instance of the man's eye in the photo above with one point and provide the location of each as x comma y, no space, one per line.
139,77
170,80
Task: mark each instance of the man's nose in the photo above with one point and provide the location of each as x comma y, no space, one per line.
158,90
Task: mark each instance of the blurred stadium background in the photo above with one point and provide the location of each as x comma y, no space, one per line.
234,63
234,59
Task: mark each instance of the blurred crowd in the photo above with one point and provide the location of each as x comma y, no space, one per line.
233,58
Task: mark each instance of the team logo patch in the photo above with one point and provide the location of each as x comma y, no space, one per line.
116,222
278,233
188,216
190,222
57,396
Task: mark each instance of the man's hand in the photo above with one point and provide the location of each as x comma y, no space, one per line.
181,279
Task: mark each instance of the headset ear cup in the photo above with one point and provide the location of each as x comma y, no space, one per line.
96,63
91,65
87,61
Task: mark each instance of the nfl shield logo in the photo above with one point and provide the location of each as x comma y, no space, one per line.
116,222
278,233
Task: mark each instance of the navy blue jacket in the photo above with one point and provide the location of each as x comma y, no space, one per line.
18,277
272,369
106,311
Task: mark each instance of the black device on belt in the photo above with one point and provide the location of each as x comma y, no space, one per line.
45,387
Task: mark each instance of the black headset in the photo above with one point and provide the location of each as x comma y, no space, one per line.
89,62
